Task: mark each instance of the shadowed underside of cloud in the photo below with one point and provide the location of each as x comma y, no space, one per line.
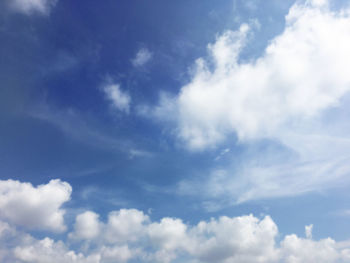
295,94
129,235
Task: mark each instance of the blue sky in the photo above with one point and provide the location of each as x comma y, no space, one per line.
174,131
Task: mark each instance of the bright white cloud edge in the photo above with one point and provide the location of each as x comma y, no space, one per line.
129,235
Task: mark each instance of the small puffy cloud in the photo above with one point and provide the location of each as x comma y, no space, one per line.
125,225
119,99
168,234
142,57
308,231
298,250
32,6
34,207
239,239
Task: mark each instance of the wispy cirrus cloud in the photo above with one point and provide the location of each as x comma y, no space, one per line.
119,99
32,6
80,128
142,57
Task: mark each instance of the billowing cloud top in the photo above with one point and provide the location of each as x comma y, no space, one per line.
302,72
34,207
129,235
288,95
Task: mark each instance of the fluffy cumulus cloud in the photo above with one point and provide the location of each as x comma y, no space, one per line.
32,6
86,226
47,250
295,95
142,57
34,207
119,99
238,239
122,226
291,81
125,225
129,235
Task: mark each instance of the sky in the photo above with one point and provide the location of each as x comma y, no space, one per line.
174,131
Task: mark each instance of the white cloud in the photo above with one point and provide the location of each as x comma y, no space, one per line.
47,250
125,225
296,94
237,239
169,234
222,153
298,250
291,81
308,231
129,235
120,99
244,239
34,207
33,6
142,57
86,226
117,254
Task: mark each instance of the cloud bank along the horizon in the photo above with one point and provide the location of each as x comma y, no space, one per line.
294,94
29,7
130,234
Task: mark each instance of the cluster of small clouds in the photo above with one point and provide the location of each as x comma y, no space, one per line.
32,6
121,100
130,234
295,95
